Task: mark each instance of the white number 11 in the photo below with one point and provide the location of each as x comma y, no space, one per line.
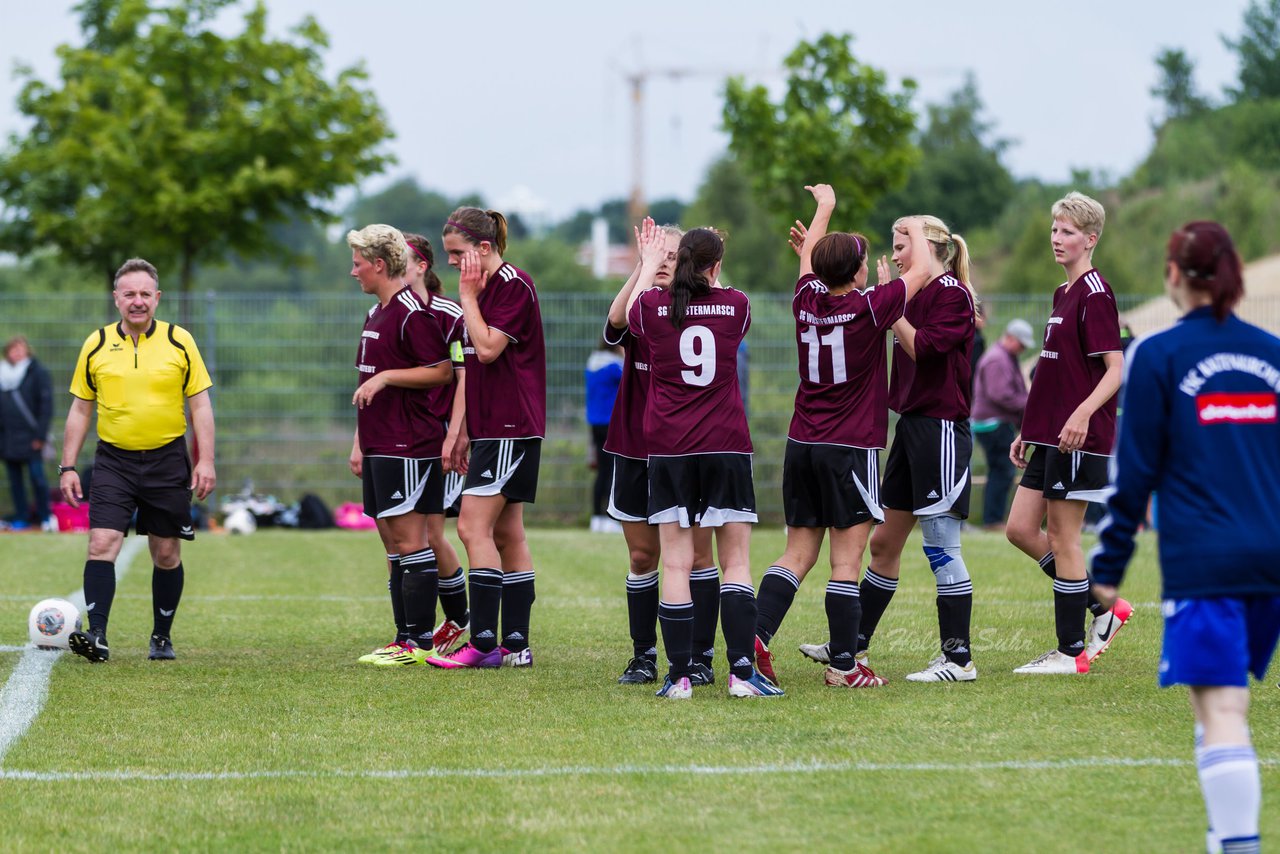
833,339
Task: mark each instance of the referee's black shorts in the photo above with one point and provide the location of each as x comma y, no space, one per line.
155,483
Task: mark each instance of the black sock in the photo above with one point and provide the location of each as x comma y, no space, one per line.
777,592
876,593
955,609
1069,605
844,613
453,597
395,583
1050,567
166,592
419,586
704,586
677,636
99,590
517,603
738,617
486,601
642,614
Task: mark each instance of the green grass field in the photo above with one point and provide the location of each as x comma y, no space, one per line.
266,735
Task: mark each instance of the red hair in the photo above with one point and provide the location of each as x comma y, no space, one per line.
1207,258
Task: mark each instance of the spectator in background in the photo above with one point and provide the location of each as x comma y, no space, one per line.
26,407
979,341
603,374
999,396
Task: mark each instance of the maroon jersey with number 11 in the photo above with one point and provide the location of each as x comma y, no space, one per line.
695,404
843,394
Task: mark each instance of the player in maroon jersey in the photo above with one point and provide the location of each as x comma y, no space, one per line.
926,476
699,446
506,413
831,472
446,403
1069,426
397,445
629,494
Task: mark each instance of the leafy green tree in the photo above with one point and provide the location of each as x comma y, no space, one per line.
1259,50
167,139
757,257
837,123
960,177
1176,88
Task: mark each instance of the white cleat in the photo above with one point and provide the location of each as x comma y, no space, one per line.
941,669
1054,662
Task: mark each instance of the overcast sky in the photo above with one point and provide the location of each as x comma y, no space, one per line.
529,101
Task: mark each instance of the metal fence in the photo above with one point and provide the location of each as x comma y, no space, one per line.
283,373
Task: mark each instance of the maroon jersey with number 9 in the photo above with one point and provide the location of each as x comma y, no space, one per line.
695,405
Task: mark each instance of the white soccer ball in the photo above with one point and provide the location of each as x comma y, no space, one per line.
51,622
240,521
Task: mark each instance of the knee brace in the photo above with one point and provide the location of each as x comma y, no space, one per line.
942,548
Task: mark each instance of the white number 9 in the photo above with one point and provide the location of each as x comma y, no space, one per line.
698,351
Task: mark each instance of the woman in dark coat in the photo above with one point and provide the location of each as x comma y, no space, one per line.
26,406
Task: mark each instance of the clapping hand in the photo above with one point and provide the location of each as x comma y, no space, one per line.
798,236
652,244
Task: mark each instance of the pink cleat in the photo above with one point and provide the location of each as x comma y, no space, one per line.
468,656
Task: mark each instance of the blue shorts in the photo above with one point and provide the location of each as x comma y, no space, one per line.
1218,642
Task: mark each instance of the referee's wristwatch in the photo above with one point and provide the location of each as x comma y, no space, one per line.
64,469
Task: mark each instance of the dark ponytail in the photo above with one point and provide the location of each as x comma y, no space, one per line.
1207,258
420,250
700,249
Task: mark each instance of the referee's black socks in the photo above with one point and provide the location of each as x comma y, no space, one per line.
99,591
166,592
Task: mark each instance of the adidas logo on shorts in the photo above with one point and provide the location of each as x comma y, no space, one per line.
1059,485
486,473
396,496
933,493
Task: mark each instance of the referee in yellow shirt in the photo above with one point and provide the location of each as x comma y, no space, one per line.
140,371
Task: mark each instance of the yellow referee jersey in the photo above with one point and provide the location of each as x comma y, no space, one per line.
141,390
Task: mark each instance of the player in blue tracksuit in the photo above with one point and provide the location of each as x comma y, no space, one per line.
1200,428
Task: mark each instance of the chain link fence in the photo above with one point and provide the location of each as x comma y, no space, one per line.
283,369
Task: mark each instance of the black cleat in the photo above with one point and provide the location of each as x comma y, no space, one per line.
161,649
91,645
701,674
640,671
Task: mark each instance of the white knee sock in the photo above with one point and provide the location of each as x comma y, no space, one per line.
1232,794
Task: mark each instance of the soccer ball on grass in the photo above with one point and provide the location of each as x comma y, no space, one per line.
51,622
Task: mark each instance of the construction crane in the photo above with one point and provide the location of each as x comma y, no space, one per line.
637,207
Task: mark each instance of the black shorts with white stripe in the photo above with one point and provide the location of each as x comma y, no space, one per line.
708,490
629,490
1073,476
394,486
506,467
830,486
927,472
453,483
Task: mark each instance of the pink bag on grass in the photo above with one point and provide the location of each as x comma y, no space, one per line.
350,515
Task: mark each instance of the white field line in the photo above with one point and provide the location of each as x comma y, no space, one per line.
24,695
559,602
126,775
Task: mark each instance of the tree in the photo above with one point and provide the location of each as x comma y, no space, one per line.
1176,88
1259,51
757,257
837,123
960,177
171,141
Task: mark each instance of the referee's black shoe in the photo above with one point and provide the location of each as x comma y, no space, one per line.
161,649
91,645
640,671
